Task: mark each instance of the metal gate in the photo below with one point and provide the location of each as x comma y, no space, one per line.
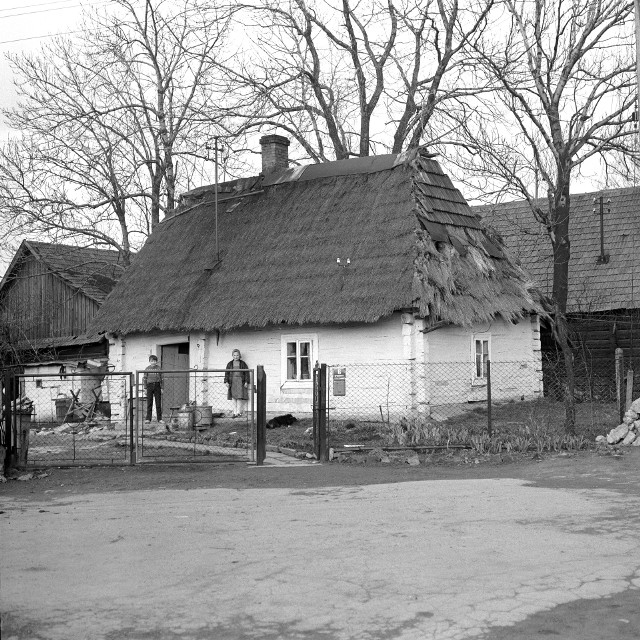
201,427
70,417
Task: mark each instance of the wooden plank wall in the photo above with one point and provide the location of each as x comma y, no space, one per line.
39,304
595,338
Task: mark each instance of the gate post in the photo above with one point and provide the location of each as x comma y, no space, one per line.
132,442
320,413
489,420
261,415
7,420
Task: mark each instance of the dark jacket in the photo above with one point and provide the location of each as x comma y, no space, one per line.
245,376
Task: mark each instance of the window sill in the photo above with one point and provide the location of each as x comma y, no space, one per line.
296,384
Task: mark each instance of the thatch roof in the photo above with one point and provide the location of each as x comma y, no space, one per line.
94,272
593,285
411,239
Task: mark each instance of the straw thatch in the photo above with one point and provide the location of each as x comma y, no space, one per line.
280,240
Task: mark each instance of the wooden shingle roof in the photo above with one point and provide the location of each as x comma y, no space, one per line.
593,286
94,272
280,239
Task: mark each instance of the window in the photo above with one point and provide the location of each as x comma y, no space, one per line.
298,354
299,360
481,347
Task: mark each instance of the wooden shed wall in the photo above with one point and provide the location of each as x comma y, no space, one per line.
595,338
39,304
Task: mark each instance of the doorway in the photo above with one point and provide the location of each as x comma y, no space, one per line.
176,385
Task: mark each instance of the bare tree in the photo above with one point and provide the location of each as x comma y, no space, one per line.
355,78
104,119
563,72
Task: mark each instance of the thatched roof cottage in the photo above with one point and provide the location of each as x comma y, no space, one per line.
370,260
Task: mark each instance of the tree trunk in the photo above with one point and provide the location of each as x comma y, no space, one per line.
561,254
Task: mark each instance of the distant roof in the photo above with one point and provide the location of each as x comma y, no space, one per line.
92,271
411,239
592,286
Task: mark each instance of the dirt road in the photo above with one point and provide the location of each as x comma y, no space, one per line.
325,551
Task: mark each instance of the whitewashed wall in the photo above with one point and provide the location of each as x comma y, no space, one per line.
382,341
44,389
431,368
516,364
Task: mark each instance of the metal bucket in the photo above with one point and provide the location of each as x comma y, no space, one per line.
185,419
203,416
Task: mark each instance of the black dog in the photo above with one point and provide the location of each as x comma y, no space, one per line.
281,421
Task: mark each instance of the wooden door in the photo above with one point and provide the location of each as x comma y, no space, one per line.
176,385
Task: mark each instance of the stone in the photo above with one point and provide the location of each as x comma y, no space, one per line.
630,413
630,437
617,434
636,425
636,443
635,406
413,460
628,420
25,477
601,439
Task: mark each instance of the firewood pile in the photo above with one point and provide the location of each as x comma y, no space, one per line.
628,432
24,405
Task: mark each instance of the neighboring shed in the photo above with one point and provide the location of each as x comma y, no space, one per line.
48,296
373,259
603,303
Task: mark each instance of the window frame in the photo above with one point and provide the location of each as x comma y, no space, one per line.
285,340
475,338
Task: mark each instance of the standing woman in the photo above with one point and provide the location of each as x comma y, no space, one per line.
237,383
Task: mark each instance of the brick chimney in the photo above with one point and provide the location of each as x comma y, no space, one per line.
275,153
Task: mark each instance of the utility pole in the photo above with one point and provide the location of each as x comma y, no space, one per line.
637,14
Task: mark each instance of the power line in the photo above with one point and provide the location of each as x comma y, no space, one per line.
39,4
71,6
47,35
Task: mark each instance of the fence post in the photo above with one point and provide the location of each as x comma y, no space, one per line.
132,442
9,454
322,452
261,415
619,382
629,395
7,420
489,425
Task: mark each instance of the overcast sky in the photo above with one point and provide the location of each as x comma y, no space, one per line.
26,24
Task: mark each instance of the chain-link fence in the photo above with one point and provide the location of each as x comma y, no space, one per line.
459,399
205,415
70,418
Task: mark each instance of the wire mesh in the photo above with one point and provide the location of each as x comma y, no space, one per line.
71,418
195,417
412,403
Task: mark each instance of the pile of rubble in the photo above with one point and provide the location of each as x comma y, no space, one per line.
627,433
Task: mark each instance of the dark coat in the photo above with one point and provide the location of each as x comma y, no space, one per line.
245,377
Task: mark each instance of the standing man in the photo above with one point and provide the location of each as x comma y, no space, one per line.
152,381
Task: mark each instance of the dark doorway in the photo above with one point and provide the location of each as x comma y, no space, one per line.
176,385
